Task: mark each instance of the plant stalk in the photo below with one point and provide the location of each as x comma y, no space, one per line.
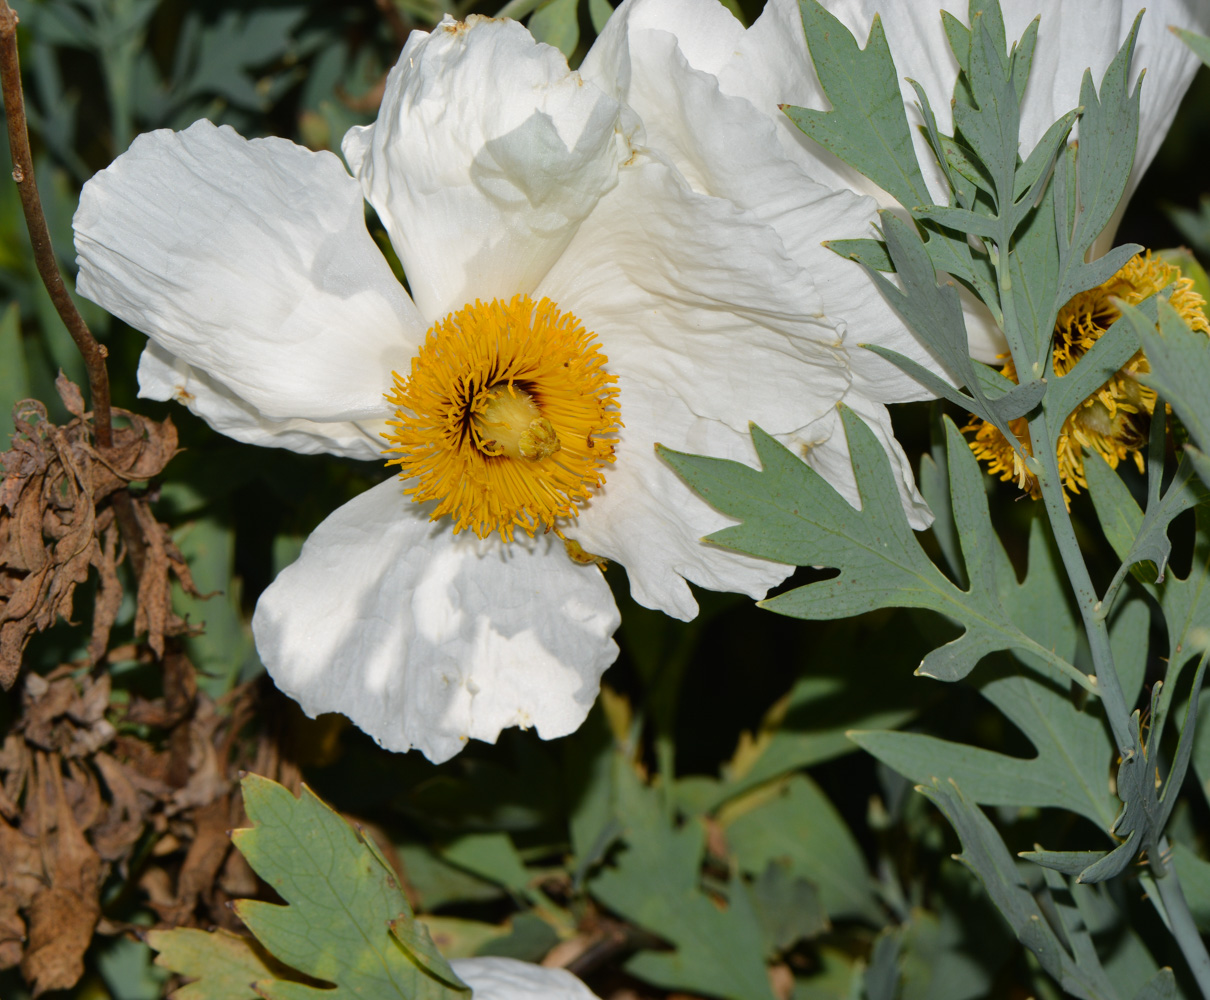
39,235
1180,921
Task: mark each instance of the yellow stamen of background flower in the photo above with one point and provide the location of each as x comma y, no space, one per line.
507,417
1114,420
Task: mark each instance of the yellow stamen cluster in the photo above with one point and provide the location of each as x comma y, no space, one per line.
1114,420
506,418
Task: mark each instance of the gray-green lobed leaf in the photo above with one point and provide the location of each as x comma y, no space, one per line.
867,126
342,902
790,514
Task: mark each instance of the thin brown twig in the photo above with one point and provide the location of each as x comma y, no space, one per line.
39,235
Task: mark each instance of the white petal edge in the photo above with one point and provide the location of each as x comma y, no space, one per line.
495,978
486,155
426,639
647,519
250,261
163,377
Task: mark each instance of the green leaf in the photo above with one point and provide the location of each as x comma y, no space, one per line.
945,956
790,514
345,920
984,853
14,377
1142,536
1180,368
529,939
1200,44
1190,267
787,906
557,23
882,975
490,856
794,822
655,884
1073,750
1109,128
225,643
599,11
934,312
867,126
868,253
1161,986
1129,638
1194,225
224,965
1194,874
1119,513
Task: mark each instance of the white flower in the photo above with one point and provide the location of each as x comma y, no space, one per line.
509,979
769,65
498,174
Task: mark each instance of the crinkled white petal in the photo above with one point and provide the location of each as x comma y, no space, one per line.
770,65
696,298
726,149
646,518
163,377
249,260
427,639
495,978
486,156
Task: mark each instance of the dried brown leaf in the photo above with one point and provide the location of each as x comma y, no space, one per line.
69,392
55,525
125,819
64,913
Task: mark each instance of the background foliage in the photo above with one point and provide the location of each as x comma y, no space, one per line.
724,824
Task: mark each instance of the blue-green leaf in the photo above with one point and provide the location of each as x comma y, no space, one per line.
1200,44
867,126
1180,367
984,853
1072,750
790,514
655,884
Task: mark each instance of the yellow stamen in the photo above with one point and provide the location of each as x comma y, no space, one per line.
507,417
1113,421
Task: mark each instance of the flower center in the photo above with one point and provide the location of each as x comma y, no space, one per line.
507,418
512,424
1113,420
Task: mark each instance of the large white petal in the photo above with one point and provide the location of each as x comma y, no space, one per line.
697,298
770,65
486,155
493,978
427,639
646,518
248,260
726,149
161,376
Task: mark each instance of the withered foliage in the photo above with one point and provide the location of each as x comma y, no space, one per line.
63,507
89,810
108,801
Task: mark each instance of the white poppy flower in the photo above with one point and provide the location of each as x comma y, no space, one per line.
768,64
509,979
578,293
